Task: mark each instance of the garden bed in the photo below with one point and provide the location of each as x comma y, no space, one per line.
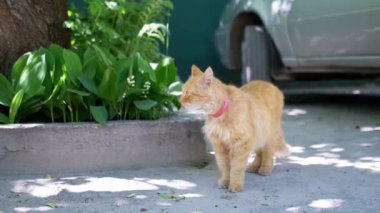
74,147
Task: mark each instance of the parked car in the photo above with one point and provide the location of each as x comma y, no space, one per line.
278,39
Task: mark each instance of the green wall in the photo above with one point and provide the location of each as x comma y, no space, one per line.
192,27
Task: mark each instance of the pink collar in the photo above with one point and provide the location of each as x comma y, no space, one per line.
222,109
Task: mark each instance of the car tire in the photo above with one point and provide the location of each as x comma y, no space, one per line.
258,55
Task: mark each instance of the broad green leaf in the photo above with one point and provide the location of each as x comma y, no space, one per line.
122,72
3,118
33,75
89,84
107,29
50,68
89,63
18,67
104,55
78,92
107,87
144,67
145,105
15,105
56,50
73,65
6,91
166,72
99,113
175,88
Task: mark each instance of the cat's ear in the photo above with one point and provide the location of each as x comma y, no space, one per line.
207,77
195,71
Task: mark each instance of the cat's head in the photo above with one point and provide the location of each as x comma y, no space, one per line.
197,91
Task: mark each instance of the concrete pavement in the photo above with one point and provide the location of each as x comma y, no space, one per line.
334,167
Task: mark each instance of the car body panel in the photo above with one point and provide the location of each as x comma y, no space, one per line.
307,33
335,33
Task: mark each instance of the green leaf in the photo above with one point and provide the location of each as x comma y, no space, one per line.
15,105
88,83
99,113
6,91
166,72
52,204
145,105
104,55
33,75
56,50
107,29
175,88
48,176
89,63
144,67
122,72
131,196
73,65
166,196
18,67
107,87
4,118
50,68
78,92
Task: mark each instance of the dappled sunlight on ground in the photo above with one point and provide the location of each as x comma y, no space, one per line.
50,187
33,209
127,191
294,209
328,154
319,205
369,128
326,203
297,149
295,112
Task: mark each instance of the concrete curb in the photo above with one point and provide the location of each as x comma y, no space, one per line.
74,147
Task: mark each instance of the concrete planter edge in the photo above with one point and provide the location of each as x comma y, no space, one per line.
77,147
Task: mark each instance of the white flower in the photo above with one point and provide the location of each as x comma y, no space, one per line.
131,81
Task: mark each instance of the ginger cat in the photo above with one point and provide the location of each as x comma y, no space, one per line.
237,122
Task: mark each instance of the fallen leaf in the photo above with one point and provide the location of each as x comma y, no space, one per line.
171,196
48,176
131,196
52,204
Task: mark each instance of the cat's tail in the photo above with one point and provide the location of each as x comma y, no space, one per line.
283,150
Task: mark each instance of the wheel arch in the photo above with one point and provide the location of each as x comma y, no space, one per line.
241,21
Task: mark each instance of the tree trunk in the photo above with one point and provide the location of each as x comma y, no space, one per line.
26,25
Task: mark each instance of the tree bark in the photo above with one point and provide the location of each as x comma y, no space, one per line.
26,25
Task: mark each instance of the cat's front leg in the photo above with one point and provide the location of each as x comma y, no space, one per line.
255,165
238,159
222,160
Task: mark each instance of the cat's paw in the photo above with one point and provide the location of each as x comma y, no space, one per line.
223,183
235,187
265,170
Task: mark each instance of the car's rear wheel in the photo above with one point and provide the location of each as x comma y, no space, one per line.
259,59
